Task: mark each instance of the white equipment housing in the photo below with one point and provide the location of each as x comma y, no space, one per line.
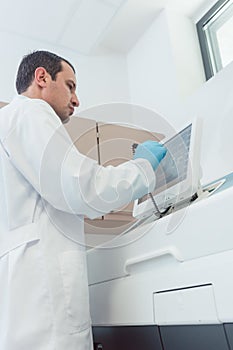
168,284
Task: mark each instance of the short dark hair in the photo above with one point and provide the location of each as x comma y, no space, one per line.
50,61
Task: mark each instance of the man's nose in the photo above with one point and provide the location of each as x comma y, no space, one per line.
75,100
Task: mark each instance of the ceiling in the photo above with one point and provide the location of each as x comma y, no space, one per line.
82,25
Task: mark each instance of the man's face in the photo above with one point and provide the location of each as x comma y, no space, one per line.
60,93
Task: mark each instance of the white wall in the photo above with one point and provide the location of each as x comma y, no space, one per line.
164,68
101,78
213,102
151,69
186,53
165,65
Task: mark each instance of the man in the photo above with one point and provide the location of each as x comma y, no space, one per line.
46,188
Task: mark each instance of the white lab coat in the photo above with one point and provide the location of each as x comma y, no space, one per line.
46,186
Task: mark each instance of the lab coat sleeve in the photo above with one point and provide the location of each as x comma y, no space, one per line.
102,189
42,151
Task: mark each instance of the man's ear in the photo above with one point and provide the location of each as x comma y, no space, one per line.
41,76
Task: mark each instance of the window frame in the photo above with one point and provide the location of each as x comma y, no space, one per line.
207,56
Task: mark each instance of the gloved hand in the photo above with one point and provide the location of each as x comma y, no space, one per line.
153,151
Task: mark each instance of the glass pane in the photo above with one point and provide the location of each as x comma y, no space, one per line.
225,41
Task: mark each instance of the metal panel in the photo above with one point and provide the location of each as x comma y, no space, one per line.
194,337
127,338
229,334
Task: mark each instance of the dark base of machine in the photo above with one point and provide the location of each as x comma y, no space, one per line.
175,337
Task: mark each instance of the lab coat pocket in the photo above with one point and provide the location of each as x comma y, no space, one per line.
74,278
18,236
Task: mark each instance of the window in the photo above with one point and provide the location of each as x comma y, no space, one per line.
215,32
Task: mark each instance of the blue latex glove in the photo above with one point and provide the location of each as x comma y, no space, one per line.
153,151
